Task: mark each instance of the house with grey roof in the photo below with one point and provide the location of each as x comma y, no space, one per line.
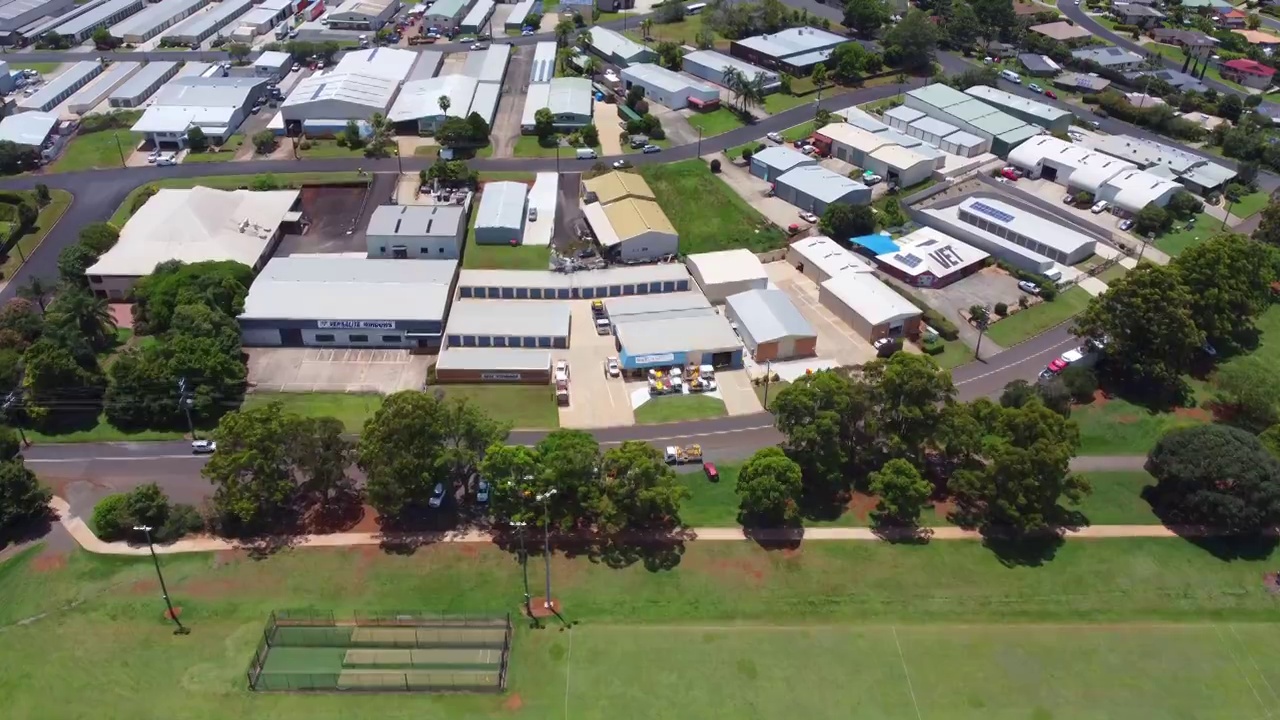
1109,57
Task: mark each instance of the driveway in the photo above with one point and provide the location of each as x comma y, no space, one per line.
605,116
836,340
677,126
737,392
986,287
506,123
754,191
594,399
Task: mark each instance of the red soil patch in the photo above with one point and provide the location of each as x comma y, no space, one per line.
1100,398
860,505
122,313
211,588
226,557
1127,419
368,522
468,549
540,610
740,569
791,553
513,703
1199,414
177,612
49,562
943,508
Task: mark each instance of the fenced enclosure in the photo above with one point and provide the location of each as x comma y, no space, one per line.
401,652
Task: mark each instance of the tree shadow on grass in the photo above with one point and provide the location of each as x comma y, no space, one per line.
657,550
32,529
1223,547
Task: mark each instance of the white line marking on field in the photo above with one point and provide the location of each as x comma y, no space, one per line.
903,659
568,665
1243,674
1253,662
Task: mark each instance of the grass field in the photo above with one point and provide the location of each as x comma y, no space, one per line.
329,148
59,201
231,182
529,146
102,149
44,68
705,212
225,153
1250,204
1117,629
1204,228
718,121
1039,317
780,101
351,408
103,431
679,407
524,406
520,257
954,354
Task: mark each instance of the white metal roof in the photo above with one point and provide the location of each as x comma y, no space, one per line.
485,101
145,78
641,308
522,318
481,11
421,98
1138,188
928,250
544,62
780,157
563,96
502,205
273,59
155,15
367,90
29,128
335,287
853,136
899,158
1088,169
793,41
196,225
488,65
379,62
819,182
1026,223
726,266
829,256
694,333
614,276
1009,101
719,62
417,220
610,42
871,299
660,77
177,119
96,16
767,314
60,84
208,21
470,358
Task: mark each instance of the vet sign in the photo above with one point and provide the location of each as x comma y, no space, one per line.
355,324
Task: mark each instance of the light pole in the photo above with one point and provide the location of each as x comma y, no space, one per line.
181,629
119,149
524,565
982,321
1151,238
699,142
768,375
546,539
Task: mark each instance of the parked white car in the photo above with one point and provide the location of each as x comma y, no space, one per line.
562,369
1099,207
203,447
612,368
808,217
167,159
774,137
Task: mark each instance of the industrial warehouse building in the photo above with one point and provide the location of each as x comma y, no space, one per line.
368,15
16,15
80,27
61,87
1010,233
217,105
489,65
520,13
1050,117
813,188
476,365
616,48
329,100
876,152
1196,173
446,15
204,25
423,232
155,19
273,64
29,129
570,100
770,325
711,65
477,18
500,217
972,115
727,272
642,308
669,88
869,306
820,258
581,285
543,67
680,336
419,101
772,162
1081,169
938,133
194,225
380,62
93,94
928,258
794,51
143,84
626,219
508,323
342,301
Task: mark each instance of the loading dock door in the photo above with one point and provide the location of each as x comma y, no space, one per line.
291,337
722,359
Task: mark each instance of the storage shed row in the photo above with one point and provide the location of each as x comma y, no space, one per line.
143,84
582,285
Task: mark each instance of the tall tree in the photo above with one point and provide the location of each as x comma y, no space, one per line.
22,499
865,17
819,415
57,383
73,261
769,488
79,309
911,393
512,473
902,494
252,472
1144,319
845,221
1268,230
912,42
37,291
962,27
1228,278
1250,388
1215,476
640,489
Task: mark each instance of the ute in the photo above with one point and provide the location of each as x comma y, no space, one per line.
677,455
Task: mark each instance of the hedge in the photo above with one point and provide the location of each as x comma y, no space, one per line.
946,329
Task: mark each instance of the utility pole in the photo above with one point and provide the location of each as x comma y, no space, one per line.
181,630
546,540
119,149
982,322
524,565
1151,238
557,155
768,375
13,413
699,142
185,401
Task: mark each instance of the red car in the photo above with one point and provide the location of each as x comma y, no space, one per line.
1057,366
712,473
1050,94
1010,174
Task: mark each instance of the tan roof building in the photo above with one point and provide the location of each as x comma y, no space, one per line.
617,185
1061,31
1257,37
626,218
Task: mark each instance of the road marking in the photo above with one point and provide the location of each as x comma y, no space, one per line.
903,659
1033,356
124,459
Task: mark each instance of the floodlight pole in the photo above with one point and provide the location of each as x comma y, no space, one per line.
181,629
546,539
768,375
524,565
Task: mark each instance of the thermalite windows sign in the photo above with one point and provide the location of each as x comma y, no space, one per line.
356,324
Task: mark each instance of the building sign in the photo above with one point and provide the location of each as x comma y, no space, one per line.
508,377
655,359
356,324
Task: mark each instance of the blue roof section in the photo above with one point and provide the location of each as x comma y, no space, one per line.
878,244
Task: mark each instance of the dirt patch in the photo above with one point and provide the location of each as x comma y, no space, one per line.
1126,419
1198,414
752,571
513,703
861,505
49,562
468,549
1271,582
1100,398
227,557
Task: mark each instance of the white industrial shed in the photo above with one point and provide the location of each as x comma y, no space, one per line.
107,14
500,217
343,301
255,22
143,84
1010,233
217,105
193,225
711,65
380,62
363,15
1082,169
90,96
29,129
643,308
488,66
419,100
619,49
508,323
417,232
338,96
880,152
869,306
570,100
727,272
582,285
477,17
18,14
485,102
1133,190
273,64
205,24
463,364
770,325
813,188
61,87
446,14
156,18
820,258
669,88
520,13
544,63
772,162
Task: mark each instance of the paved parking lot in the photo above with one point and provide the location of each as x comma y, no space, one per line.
737,393
1050,191
836,340
988,286
335,370
753,189
594,399
338,217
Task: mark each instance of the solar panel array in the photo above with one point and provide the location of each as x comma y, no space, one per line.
989,211
909,260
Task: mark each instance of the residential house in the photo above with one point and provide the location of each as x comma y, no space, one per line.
1134,14
1266,41
1249,73
1109,57
1234,19
1192,42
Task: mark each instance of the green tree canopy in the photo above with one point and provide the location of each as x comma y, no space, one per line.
23,499
902,494
769,488
1216,476
844,221
911,43
865,16
1228,279
221,285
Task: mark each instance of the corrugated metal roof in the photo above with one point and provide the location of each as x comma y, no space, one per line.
727,266
417,220
329,287
488,65
768,315
502,205
696,333
544,62
718,62
634,308
467,358
793,41
96,16
820,183
616,185
155,15
380,62
871,299
518,318
207,22
479,13
660,77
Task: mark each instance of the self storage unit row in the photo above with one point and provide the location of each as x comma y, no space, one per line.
89,97
478,17
205,24
508,324
143,84
487,365
582,285
82,26
61,87
156,18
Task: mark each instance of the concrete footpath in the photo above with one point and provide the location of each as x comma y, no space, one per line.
87,540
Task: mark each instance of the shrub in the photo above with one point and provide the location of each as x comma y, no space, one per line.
1081,382
715,166
1023,302
142,198
183,520
932,347
111,517
1001,309
747,154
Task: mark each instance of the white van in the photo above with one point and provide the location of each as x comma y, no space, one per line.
1053,273
586,154
1011,76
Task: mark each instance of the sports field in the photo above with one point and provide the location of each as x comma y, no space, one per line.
1121,629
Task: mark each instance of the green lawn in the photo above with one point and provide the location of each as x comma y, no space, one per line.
524,406
1204,228
225,153
663,143
1117,499
96,150
329,148
718,121
679,407
774,388
351,408
1250,204
44,68
103,431
529,146
684,32
706,213
59,201
1113,273
799,132
231,182
1107,629
1039,317
954,354
502,257
780,101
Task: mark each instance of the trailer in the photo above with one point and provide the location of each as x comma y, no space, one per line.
677,455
